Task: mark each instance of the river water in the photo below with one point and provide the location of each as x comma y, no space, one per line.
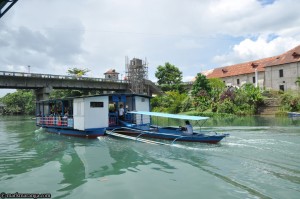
260,159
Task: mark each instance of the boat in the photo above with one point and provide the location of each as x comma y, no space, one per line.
293,114
87,116
141,127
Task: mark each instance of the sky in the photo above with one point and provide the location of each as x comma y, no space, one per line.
194,35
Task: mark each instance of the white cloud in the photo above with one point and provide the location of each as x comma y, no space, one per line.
249,49
52,36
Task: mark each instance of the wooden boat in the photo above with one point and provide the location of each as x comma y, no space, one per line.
141,127
87,116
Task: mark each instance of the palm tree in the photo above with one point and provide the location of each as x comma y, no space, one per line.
78,71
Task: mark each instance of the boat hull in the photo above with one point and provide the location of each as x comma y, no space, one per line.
212,139
89,133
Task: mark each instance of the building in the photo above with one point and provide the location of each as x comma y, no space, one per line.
111,74
277,73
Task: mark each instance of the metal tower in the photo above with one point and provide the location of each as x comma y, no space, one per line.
137,73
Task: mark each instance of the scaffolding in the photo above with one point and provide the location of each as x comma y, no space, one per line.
137,73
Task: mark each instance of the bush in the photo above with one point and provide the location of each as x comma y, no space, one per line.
290,101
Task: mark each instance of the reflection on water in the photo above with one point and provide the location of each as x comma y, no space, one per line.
259,160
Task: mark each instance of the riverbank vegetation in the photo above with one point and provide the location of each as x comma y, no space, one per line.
207,97
211,97
21,102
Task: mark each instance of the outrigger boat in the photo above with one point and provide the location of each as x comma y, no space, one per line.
141,127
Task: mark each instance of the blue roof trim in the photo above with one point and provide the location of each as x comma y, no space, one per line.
168,115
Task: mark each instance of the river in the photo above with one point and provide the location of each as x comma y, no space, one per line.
260,159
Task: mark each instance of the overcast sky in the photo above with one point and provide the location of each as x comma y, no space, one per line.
194,35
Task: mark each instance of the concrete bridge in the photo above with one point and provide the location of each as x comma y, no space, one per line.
44,83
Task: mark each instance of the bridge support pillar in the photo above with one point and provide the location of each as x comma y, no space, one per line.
43,93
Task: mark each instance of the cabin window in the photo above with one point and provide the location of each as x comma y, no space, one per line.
143,99
253,79
238,81
281,73
281,87
96,104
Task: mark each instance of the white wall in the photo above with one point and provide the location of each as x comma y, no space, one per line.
142,104
245,78
86,117
290,73
78,113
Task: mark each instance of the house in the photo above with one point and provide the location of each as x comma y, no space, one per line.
111,74
277,73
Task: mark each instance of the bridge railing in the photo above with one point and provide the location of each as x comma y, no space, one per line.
50,76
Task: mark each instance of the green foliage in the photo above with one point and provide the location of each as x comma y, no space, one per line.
186,104
298,81
172,87
242,101
201,84
202,101
19,102
250,94
217,87
290,101
64,93
78,71
227,106
201,92
171,102
169,77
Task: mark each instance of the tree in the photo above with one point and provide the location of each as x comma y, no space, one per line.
77,71
217,87
169,77
200,85
19,102
171,102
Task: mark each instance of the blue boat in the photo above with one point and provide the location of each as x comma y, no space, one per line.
293,115
141,127
87,116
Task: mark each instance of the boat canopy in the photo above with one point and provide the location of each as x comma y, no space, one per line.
168,115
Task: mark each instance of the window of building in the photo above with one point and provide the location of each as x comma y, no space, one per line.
96,104
253,79
281,87
238,81
281,73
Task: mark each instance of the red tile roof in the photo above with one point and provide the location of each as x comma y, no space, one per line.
249,67
290,56
111,71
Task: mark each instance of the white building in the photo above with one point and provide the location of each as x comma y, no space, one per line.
276,73
111,74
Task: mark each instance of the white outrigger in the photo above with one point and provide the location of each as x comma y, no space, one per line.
141,127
